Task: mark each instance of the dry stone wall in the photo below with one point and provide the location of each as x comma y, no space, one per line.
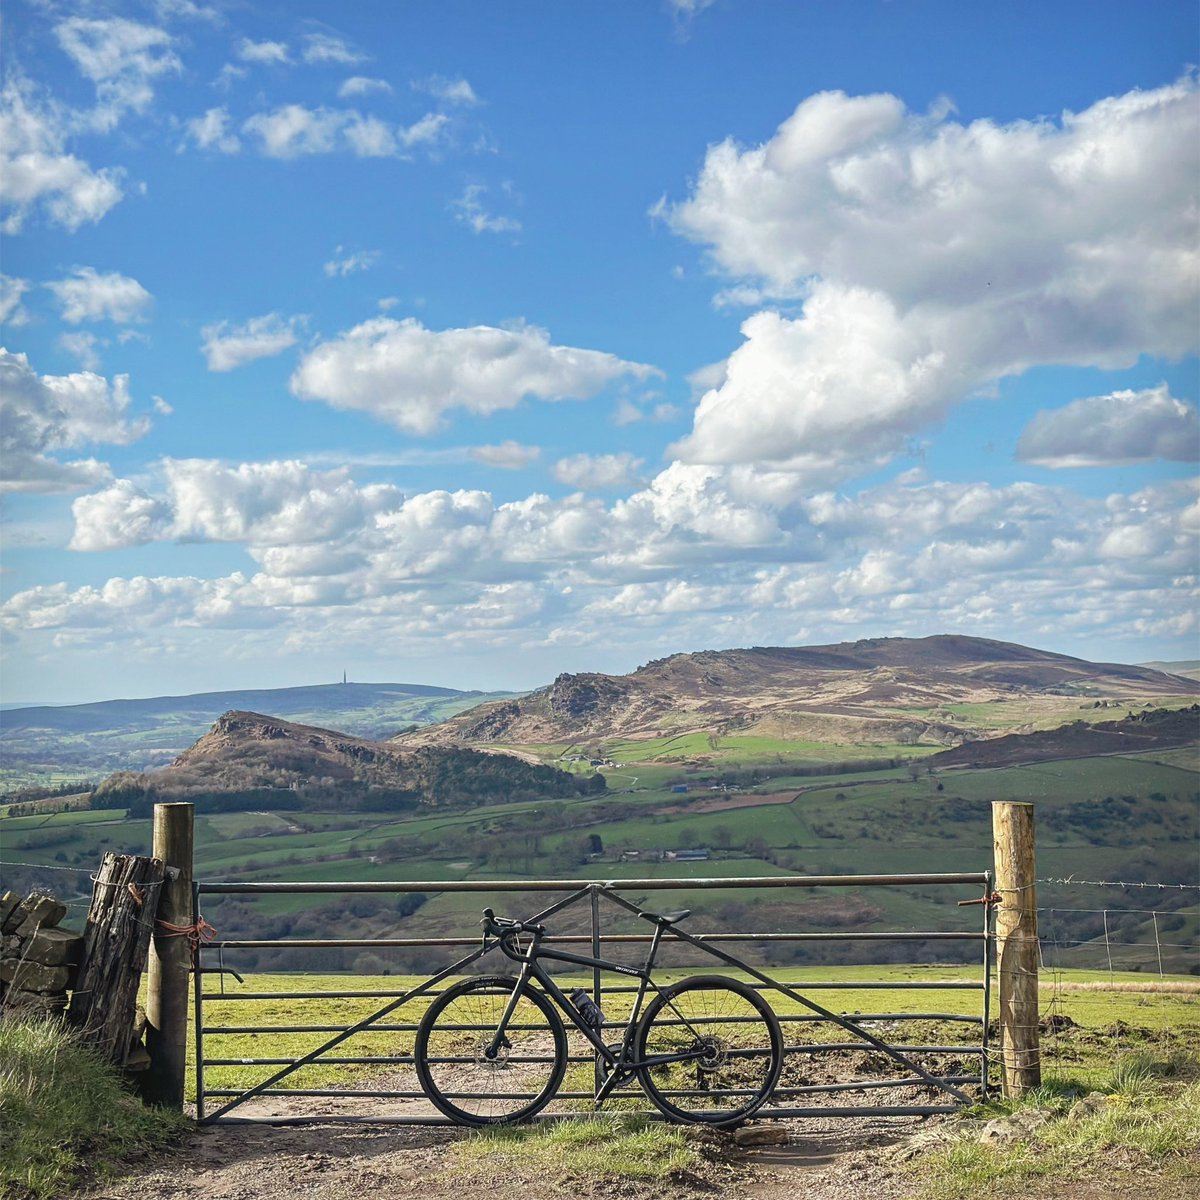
38,958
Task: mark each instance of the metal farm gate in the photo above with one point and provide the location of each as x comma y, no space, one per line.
907,1056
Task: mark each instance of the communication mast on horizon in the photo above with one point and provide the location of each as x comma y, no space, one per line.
343,676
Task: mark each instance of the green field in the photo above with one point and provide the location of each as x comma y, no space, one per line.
1107,1020
1105,819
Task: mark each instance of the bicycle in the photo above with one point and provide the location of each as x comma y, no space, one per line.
493,1050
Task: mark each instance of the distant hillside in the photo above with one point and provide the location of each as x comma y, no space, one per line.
1189,668
1159,729
94,739
248,758
878,689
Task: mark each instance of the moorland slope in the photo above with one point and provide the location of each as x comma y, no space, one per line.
1155,730
897,690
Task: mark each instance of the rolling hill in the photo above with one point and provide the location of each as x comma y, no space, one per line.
694,765
248,758
90,740
907,691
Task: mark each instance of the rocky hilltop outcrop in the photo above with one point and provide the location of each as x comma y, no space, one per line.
246,755
846,692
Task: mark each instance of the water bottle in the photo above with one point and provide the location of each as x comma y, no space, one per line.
588,1010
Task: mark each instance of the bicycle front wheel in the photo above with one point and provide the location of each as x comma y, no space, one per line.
723,1046
471,1078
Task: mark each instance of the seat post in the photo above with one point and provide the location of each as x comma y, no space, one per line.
659,926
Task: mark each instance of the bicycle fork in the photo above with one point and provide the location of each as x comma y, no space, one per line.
500,1037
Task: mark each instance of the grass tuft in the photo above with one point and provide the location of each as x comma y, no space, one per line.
65,1112
599,1148
1147,1124
1133,1073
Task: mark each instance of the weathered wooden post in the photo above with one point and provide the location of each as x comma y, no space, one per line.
170,959
115,948
1017,945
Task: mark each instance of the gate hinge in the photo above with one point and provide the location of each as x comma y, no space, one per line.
994,898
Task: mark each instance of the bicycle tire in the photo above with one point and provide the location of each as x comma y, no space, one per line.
742,1044
449,1053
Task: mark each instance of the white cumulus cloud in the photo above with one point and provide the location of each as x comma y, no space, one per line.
227,345
949,255
362,85
275,53
212,131
1118,428
273,504
294,130
88,295
12,312
597,472
701,554
37,172
120,515
325,48
122,58
426,130
41,415
411,376
850,378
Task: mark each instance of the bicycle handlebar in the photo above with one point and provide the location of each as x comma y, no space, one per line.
503,927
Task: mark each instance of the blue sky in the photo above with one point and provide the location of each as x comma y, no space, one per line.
468,343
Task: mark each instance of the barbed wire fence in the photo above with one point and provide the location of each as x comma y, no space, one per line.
1148,950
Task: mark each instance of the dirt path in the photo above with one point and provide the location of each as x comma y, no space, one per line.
821,1161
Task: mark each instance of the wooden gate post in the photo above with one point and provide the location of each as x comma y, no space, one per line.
1017,945
170,959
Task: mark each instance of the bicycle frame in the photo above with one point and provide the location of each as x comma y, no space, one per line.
622,1067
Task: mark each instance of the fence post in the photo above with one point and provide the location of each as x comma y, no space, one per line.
1017,945
170,959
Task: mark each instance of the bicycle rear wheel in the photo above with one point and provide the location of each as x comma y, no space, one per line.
453,1045
730,1045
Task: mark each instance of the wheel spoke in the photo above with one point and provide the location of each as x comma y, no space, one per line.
473,1076
728,1047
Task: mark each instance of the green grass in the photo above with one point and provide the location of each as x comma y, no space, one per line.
871,821
1152,1133
599,1149
64,1113
1111,1022
55,819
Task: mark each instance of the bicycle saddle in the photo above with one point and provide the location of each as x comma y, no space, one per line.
666,918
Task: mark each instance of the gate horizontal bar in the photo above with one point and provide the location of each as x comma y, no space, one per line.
906,935
412,1026
874,1110
613,885
823,1047
913,1110
957,985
